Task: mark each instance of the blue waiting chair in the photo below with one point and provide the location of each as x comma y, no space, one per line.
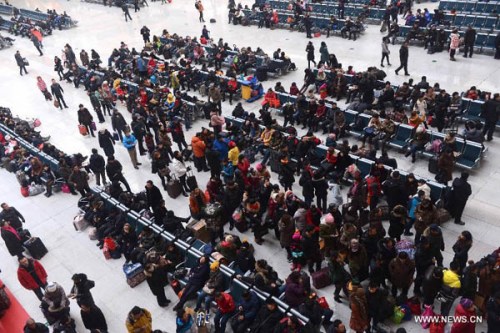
403,135
471,156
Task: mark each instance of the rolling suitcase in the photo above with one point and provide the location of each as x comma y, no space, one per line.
191,181
433,165
321,278
136,280
132,270
83,130
35,247
174,188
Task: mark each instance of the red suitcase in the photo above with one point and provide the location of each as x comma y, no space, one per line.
321,278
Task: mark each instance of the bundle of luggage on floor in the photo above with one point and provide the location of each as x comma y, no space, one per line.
134,274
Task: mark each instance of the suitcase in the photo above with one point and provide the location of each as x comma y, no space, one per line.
433,165
56,104
191,182
174,188
25,191
176,286
132,270
11,166
136,280
93,233
274,161
321,278
261,73
21,177
443,215
199,230
80,223
35,247
241,226
83,130
93,126
47,95
36,189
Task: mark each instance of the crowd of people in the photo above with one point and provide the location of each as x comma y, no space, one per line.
373,263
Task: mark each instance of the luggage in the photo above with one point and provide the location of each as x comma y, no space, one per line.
93,126
321,278
191,182
11,166
176,287
83,130
212,20
386,213
199,230
25,191
21,177
93,233
116,137
24,234
261,73
56,104
47,95
443,215
433,165
35,189
132,270
174,188
136,280
79,222
35,247
241,225
415,306
274,161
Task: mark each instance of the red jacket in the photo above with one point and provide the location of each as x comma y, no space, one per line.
466,327
225,303
27,280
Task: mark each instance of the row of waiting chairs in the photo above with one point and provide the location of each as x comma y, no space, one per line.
482,22
485,42
191,250
470,6
365,165
471,152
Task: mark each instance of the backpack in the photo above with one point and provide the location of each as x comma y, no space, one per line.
196,5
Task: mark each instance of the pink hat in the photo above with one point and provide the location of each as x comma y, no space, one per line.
329,219
259,167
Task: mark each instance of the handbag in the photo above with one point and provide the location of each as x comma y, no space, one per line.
116,137
93,126
323,303
237,215
65,188
25,62
428,312
398,315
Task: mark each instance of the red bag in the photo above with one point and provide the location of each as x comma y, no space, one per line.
323,303
317,34
25,191
437,327
83,130
415,306
110,243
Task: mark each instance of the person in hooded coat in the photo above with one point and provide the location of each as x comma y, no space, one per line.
464,309
93,318
11,238
106,142
81,289
397,222
459,194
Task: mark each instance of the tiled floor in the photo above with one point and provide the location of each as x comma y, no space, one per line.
103,29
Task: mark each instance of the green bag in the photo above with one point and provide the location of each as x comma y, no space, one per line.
398,315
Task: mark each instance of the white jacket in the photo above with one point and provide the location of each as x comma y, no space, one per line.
178,168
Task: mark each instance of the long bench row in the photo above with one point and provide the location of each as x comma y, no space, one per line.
63,21
470,6
438,191
191,252
470,152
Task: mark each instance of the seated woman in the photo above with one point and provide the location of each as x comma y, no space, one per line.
418,142
270,100
372,130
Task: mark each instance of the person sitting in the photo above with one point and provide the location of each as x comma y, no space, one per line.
418,142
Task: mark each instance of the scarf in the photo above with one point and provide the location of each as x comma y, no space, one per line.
14,231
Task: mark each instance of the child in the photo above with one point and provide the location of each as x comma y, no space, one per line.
297,253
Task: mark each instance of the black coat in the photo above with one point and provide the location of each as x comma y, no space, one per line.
84,117
491,111
13,216
154,196
403,54
266,320
94,319
118,122
106,142
459,194
431,286
157,280
39,328
306,182
56,89
82,291
13,243
97,163
114,170
470,37
394,190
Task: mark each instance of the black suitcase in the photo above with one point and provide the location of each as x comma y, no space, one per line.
261,73
433,165
274,161
35,247
191,182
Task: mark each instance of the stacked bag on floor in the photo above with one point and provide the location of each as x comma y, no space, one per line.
134,273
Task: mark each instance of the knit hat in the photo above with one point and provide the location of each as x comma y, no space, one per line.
214,266
232,144
354,245
259,167
329,219
466,303
52,287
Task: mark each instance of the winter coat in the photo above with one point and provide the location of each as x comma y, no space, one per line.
286,232
461,249
80,179
338,273
358,263
329,234
94,319
154,197
84,117
118,122
250,307
27,280
397,223
39,328
82,290
431,285
157,279
359,311
469,284
424,218
56,300
198,146
306,182
13,216
225,304
129,141
493,309
12,242
144,320
401,272
106,142
96,163
178,168
469,326
445,165
199,275
266,320
294,294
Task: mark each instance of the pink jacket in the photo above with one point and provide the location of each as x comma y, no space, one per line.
41,85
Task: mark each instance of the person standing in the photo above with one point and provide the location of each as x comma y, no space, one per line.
85,119
136,6
454,44
308,25
21,63
92,317
460,192
114,170
36,43
12,240
325,55
145,32
43,88
58,91
97,165
129,142
156,277
106,142
80,180
118,122
139,320
12,215
469,40
126,12
490,111
360,321
310,54
180,170
153,195
403,59
200,8
32,276
81,289
385,52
